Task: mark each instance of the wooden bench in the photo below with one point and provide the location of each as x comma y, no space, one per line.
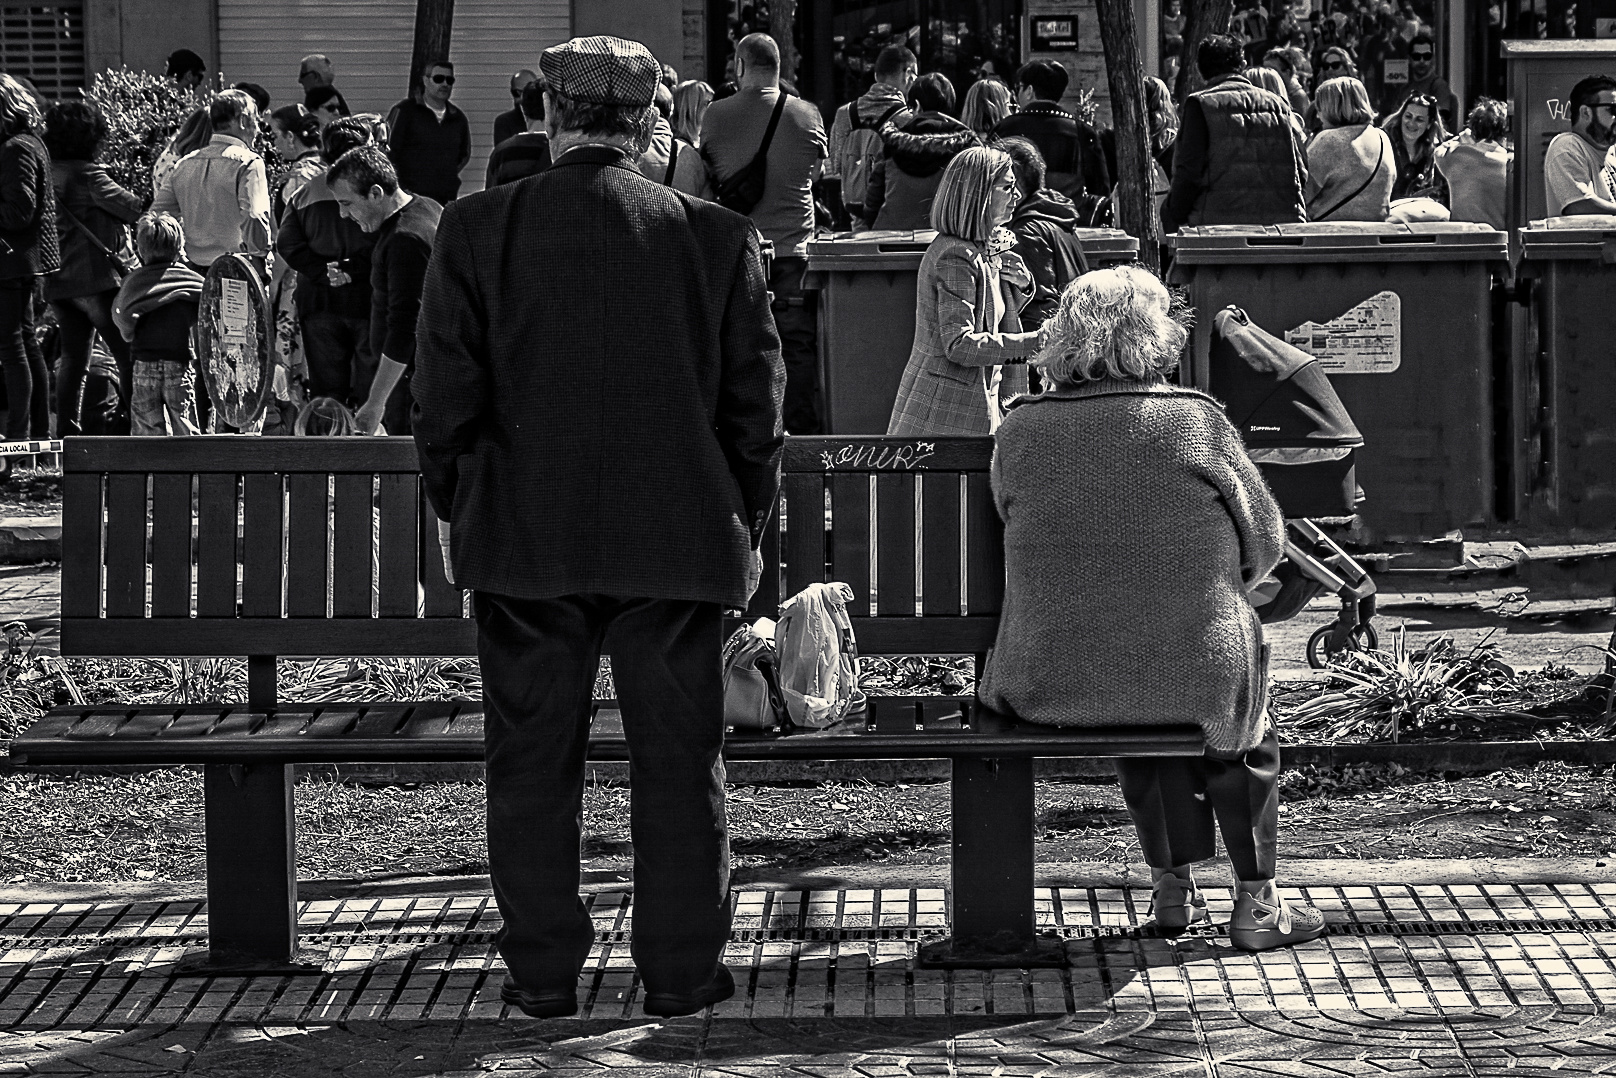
271,547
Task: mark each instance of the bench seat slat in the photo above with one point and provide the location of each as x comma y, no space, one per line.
99,725
148,722
333,722
238,722
192,723
57,723
467,723
379,720
285,722
430,719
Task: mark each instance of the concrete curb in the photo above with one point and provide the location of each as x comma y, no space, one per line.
27,540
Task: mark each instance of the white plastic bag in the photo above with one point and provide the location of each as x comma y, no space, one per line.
818,656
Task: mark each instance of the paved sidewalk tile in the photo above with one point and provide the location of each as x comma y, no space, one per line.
1495,980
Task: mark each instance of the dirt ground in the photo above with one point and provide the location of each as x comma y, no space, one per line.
149,827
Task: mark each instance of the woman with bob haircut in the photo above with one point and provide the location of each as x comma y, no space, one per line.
1135,527
1351,166
986,103
969,353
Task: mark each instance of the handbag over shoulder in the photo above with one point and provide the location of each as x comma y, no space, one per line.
744,190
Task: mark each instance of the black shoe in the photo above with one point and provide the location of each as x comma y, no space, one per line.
553,1004
668,1005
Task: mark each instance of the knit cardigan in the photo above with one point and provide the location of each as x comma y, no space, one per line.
1134,528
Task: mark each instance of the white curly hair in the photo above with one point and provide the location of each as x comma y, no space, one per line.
1114,323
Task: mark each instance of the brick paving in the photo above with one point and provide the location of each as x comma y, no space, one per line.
1472,979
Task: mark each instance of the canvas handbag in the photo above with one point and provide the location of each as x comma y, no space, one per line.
752,698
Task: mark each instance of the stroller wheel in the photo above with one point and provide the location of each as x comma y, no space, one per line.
1362,638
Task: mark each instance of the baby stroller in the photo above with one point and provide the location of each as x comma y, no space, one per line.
1300,436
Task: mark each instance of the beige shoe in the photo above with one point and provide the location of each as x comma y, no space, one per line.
1264,921
1175,902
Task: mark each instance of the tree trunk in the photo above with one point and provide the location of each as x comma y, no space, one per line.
782,27
434,20
1125,74
1201,19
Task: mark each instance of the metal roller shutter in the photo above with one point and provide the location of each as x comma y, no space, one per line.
369,41
44,44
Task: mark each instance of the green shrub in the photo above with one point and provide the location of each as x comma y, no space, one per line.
143,111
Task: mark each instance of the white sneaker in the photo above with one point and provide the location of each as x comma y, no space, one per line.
1264,921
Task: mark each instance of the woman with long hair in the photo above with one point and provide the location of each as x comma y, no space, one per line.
986,103
93,214
1416,130
1351,165
195,133
970,353
28,249
690,101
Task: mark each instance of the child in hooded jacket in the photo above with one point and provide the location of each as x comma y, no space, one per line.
156,310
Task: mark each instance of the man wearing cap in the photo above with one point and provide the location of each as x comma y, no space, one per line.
598,388
513,123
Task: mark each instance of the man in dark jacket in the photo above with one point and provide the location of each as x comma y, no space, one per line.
514,122
431,139
526,153
609,457
1239,160
1044,226
331,255
1070,147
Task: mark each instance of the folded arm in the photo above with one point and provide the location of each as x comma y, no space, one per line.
957,290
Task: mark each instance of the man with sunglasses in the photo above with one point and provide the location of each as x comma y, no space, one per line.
1579,175
513,123
1424,79
431,138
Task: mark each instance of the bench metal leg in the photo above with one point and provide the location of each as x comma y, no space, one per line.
252,872
991,912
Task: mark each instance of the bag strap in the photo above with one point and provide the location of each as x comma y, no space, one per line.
774,122
673,164
63,211
887,115
1361,187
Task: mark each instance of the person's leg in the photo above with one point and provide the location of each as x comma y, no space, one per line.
39,399
794,319
328,351
1166,797
99,310
539,660
77,335
146,398
15,296
179,398
667,666
1243,792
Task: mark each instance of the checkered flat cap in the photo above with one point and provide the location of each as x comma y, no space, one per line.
602,71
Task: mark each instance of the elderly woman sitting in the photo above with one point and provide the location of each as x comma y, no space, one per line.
1135,528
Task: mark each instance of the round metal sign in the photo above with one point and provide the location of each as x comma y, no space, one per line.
233,333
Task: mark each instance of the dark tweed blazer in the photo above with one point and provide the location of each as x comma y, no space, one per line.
598,386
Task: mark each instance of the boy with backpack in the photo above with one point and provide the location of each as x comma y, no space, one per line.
155,310
855,142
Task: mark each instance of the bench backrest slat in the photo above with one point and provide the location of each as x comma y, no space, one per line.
171,545
296,546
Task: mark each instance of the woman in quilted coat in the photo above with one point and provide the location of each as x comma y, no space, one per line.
1135,528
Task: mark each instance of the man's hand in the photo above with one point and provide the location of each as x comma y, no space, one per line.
370,417
754,574
443,546
335,276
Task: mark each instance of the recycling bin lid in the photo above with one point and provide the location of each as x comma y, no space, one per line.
877,251
1591,237
1344,241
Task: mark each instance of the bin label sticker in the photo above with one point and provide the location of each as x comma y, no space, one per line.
1366,340
234,311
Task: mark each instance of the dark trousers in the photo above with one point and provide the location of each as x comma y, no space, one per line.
794,318
1175,799
337,348
27,379
539,660
80,319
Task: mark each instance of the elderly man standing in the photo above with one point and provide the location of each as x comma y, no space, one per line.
220,193
316,72
609,457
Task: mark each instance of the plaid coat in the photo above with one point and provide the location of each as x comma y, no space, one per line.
945,386
597,387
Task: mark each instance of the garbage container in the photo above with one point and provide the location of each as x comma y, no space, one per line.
1565,380
866,285
1400,318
